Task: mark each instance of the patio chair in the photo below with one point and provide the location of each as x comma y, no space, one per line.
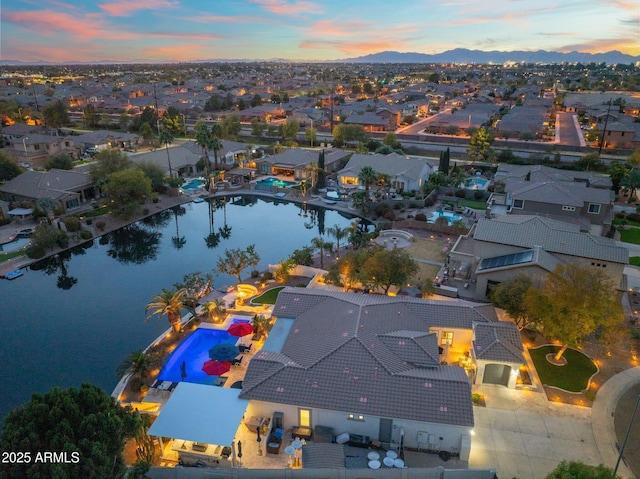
237,361
245,349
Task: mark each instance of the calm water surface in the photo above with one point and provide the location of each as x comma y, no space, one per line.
75,317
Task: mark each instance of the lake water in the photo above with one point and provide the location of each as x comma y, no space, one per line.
74,317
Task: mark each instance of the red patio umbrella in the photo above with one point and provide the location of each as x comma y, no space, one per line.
216,368
240,329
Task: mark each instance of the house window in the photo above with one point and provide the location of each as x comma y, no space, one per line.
518,204
74,203
355,417
594,208
447,337
568,208
304,417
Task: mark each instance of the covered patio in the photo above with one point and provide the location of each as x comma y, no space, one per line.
203,421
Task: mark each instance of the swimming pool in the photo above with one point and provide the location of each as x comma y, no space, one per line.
477,184
194,351
15,245
451,217
275,182
193,184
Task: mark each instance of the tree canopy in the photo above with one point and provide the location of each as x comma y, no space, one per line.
61,161
574,301
580,470
510,295
127,190
55,114
106,163
234,261
86,423
480,145
9,169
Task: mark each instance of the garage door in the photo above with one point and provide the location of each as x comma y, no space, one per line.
496,374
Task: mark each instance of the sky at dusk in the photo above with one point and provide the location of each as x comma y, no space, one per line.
188,30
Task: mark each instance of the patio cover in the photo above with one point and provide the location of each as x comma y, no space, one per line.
201,413
20,211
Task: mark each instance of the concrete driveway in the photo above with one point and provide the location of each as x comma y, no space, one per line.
524,435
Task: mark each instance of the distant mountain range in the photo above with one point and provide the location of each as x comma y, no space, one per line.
463,55
458,55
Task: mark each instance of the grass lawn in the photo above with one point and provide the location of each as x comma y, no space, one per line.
269,296
632,235
8,256
573,377
634,260
474,204
619,221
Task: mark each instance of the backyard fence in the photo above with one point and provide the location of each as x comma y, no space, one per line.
342,473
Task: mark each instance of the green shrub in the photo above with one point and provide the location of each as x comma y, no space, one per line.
100,225
89,221
397,206
255,273
154,197
63,241
478,195
475,398
36,252
634,217
429,201
461,193
389,215
381,209
421,217
72,223
267,275
85,235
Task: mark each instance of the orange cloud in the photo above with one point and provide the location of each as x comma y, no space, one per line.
357,48
126,8
329,28
604,45
178,52
48,22
284,7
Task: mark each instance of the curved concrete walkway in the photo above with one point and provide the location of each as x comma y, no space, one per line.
602,415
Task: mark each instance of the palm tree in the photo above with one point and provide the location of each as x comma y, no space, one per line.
631,182
216,144
138,363
166,138
169,303
321,245
367,176
339,233
312,170
216,309
203,140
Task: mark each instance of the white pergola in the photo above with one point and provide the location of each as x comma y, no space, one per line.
201,413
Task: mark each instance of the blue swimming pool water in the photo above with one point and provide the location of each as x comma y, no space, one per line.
451,217
193,184
477,184
14,245
194,351
275,182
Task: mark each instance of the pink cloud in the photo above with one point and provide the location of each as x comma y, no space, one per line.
328,28
224,19
48,22
126,8
177,52
285,7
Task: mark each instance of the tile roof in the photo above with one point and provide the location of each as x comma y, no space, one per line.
552,236
560,193
369,354
54,183
498,342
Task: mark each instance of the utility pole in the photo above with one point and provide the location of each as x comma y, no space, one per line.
606,120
